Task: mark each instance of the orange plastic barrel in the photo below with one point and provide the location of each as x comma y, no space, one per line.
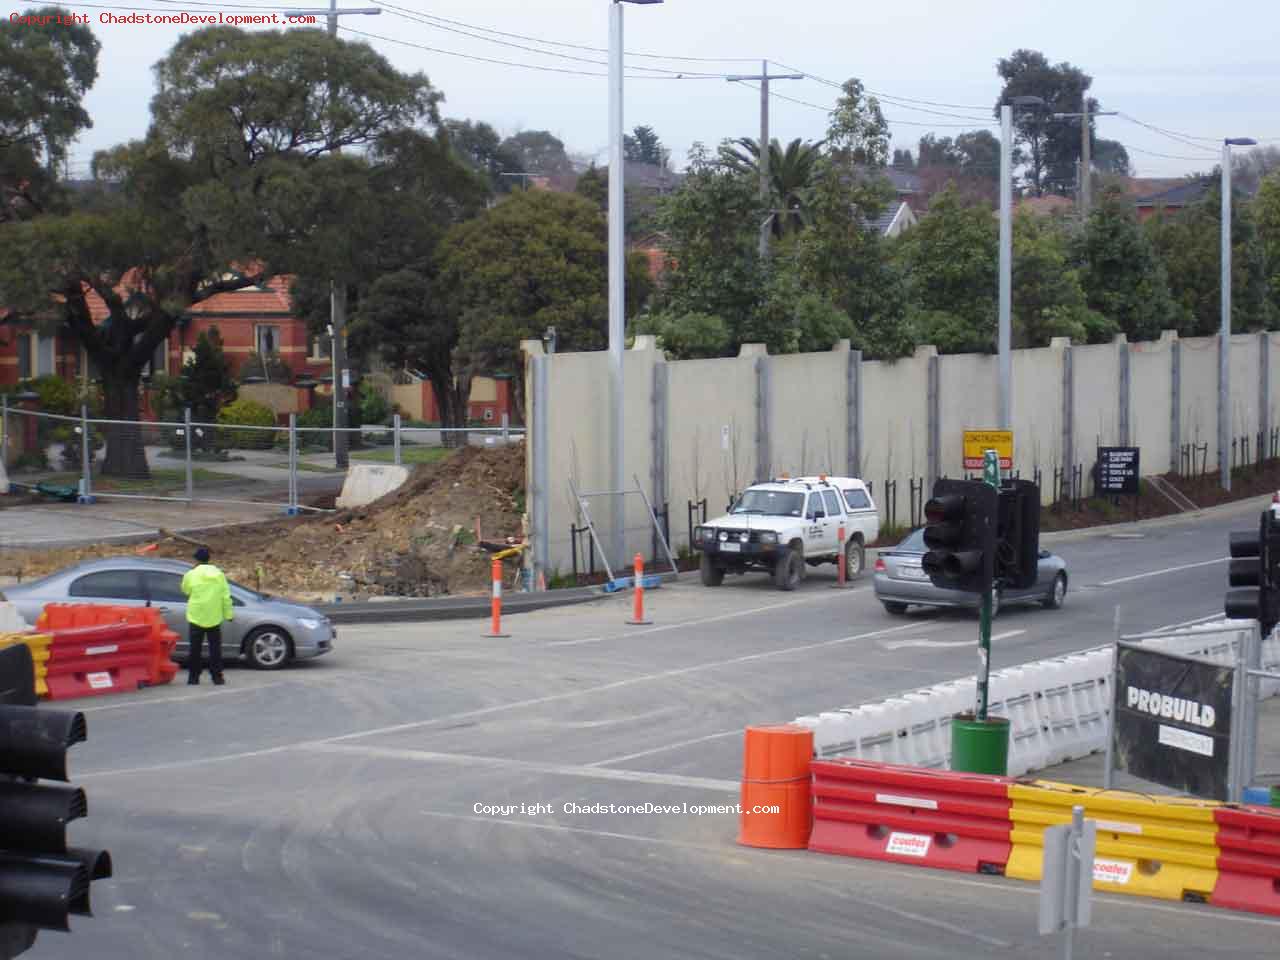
775,775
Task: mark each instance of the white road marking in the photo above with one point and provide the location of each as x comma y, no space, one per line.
506,763
929,644
1007,634
664,748
496,708
182,699
1157,573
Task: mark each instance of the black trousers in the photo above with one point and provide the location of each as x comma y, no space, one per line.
196,636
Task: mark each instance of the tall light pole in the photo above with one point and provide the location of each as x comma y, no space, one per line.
1006,258
1224,337
617,284
1086,163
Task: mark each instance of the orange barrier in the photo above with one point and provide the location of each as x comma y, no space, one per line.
100,648
637,610
929,818
495,605
841,573
776,810
1248,859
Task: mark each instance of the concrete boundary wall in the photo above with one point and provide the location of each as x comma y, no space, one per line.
705,429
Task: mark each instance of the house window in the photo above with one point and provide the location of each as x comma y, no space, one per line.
24,356
46,351
267,339
159,359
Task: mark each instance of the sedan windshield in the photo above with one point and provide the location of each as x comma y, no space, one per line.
773,503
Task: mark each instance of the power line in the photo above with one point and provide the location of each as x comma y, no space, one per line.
416,17
882,95
579,46
1165,133
907,123
513,63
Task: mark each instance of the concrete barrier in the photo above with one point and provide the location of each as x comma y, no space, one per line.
10,620
366,483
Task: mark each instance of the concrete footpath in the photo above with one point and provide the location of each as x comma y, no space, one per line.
119,521
1088,771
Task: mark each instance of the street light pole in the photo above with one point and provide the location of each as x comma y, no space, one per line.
1224,335
1005,334
1006,265
617,285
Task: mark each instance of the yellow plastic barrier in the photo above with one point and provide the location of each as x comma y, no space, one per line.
1163,847
39,644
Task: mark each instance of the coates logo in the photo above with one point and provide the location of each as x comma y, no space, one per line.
909,844
1112,871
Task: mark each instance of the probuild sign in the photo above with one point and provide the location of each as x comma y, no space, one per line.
1173,720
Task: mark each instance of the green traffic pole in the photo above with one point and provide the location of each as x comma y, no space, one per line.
984,655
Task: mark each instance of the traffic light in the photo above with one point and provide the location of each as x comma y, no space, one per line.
1253,574
1018,534
42,879
960,535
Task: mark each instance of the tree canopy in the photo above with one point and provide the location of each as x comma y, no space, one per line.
1049,148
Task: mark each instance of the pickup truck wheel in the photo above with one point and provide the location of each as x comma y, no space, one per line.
788,570
855,558
712,573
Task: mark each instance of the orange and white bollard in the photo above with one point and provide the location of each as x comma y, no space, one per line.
637,609
495,605
841,572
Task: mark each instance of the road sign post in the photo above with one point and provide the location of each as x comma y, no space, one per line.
1066,882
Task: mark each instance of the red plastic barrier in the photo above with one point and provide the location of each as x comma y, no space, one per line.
930,818
1248,859
99,648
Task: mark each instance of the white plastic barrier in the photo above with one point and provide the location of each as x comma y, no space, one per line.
10,620
1058,709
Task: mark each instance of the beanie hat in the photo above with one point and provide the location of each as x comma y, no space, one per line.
202,555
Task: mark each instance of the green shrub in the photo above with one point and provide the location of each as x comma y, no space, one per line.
317,417
249,414
373,405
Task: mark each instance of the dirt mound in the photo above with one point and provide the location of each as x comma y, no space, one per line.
418,541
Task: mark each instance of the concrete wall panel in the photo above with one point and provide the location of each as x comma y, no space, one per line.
1150,396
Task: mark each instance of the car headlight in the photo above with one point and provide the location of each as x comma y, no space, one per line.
309,624
768,536
699,534
723,536
744,537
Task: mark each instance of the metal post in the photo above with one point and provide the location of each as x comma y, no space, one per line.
1006,264
1175,403
991,475
4,429
86,465
1126,387
1085,164
395,435
186,435
538,444
506,428
1068,413
1264,390
764,159
293,463
1072,891
659,439
1224,344
617,287
1109,718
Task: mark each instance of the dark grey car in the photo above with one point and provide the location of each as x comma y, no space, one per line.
901,582
266,631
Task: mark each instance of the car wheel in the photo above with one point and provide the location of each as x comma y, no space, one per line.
893,607
712,573
268,648
1058,594
788,570
855,558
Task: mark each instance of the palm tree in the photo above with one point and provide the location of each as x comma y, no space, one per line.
791,173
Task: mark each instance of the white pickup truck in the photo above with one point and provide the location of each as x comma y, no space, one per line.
785,524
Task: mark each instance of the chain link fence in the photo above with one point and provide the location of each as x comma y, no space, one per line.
87,458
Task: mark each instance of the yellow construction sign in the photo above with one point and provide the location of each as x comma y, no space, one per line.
977,442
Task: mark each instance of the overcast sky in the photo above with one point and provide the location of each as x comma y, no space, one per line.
1173,64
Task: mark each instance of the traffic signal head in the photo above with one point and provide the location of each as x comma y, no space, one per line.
1018,534
959,532
42,880
1255,592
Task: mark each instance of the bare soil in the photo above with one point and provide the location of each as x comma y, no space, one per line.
419,541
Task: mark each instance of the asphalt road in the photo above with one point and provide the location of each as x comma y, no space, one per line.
347,807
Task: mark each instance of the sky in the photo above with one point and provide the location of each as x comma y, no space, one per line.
1171,64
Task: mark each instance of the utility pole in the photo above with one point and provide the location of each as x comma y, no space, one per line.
1004,322
763,162
338,291
1086,162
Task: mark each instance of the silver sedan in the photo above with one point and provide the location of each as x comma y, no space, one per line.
900,582
266,631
